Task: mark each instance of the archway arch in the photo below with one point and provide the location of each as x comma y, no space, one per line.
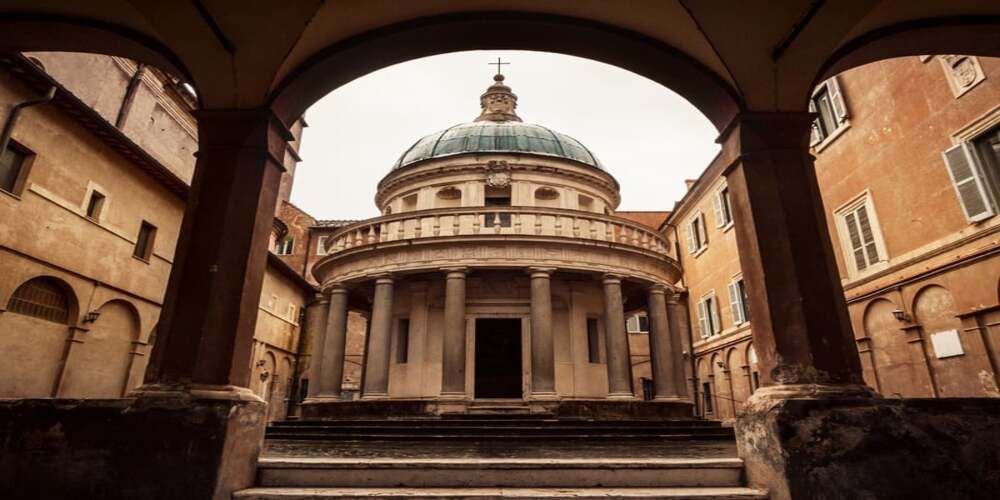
98,366
27,32
347,60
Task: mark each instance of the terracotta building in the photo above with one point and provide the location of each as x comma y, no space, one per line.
94,185
906,162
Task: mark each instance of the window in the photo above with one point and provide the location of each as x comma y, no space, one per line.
41,298
321,246
696,237
498,200
13,168
637,323
403,340
285,246
706,390
738,301
708,316
95,205
723,208
974,168
593,341
860,235
828,102
144,243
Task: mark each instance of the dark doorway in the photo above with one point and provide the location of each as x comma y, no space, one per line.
498,358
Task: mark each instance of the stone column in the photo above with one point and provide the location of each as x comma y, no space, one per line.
543,373
379,341
677,319
453,353
801,329
315,332
662,354
213,294
332,365
616,340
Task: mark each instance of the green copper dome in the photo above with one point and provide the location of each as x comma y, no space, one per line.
497,137
498,129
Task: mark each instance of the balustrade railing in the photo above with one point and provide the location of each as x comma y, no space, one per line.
476,221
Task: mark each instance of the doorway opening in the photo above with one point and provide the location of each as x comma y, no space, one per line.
498,358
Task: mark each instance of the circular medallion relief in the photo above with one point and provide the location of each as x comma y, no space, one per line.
498,179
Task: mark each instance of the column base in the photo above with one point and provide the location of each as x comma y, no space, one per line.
544,396
672,399
374,396
320,399
454,396
621,395
846,448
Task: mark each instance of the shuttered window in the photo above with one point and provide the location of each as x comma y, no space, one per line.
976,191
696,237
738,301
828,103
723,209
862,238
708,317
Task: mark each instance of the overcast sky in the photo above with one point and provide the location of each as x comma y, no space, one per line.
647,136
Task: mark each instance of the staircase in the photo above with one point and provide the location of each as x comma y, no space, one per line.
488,457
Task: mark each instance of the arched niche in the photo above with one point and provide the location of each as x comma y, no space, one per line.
957,357
897,365
98,367
33,334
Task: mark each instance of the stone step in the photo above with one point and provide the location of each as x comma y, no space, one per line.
675,493
431,436
499,472
510,420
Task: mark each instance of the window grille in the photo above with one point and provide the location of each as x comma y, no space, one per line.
41,298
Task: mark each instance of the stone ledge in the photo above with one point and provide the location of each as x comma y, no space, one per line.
873,448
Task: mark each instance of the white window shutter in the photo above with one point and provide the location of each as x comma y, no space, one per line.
850,220
965,171
702,231
867,235
815,137
836,99
734,303
719,214
690,236
703,320
716,321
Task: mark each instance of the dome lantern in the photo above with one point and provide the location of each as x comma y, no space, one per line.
498,103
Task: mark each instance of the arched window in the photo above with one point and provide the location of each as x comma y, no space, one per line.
41,298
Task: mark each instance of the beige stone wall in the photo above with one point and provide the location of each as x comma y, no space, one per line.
45,233
159,119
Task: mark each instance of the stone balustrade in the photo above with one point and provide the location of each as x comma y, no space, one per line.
499,221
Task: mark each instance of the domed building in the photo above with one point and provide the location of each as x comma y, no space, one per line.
498,277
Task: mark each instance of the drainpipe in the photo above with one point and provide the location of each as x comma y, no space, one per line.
8,127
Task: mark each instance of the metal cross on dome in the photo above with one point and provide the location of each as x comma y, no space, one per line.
498,64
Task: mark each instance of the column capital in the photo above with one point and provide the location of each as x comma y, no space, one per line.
540,272
611,279
657,288
384,279
334,288
321,298
455,272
